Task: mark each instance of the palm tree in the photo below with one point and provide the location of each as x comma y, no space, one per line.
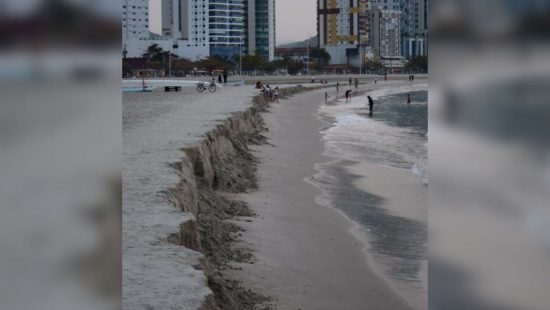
152,51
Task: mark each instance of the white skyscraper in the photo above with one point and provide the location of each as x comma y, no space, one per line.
200,28
186,20
226,24
135,27
135,20
184,28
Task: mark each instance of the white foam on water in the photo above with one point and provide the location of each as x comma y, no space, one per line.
356,138
359,139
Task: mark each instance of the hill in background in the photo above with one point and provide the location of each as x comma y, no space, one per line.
312,43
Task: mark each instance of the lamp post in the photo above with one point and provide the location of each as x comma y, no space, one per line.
241,60
307,62
170,62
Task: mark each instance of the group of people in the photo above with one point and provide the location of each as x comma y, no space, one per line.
270,94
222,78
370,100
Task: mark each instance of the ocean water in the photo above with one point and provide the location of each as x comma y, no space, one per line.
393,138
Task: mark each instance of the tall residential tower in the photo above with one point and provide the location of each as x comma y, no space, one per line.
260,28
414,28
200,28
339,23
226,22
386,29
135,27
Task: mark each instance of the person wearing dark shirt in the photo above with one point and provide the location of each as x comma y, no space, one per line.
371,105
348,95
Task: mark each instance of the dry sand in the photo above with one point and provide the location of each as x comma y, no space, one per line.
306,257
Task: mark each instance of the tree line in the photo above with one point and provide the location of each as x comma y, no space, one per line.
158,59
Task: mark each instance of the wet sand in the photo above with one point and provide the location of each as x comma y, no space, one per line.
405,196
306,256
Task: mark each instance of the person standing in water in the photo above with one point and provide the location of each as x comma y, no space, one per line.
371,105
348,95
326,97
408,99
219,78
350,81
356,83
338,87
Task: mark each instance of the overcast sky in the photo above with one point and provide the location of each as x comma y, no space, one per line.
295,19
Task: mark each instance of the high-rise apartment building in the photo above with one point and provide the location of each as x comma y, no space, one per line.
135,27
167,7
414,27
260,28
386,29
186,20
201,28
135,20
340,24
364,17
227,27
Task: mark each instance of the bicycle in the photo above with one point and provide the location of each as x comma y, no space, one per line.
201,87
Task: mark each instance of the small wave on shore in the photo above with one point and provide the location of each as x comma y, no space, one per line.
378,178
395,136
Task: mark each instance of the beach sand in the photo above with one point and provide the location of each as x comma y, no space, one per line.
305,254
184,180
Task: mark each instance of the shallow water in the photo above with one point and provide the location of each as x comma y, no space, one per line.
395,137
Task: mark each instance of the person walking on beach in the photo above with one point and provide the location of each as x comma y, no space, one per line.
371,105
225,77
276,95
269,93
338,87
375,81
326,97
348,95
350,81
219,78
408,99
356,82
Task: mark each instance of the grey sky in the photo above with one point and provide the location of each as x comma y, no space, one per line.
295,19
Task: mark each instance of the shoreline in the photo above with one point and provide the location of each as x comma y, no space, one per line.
212,173
375,261
165,186
398,195
207,209
322,232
